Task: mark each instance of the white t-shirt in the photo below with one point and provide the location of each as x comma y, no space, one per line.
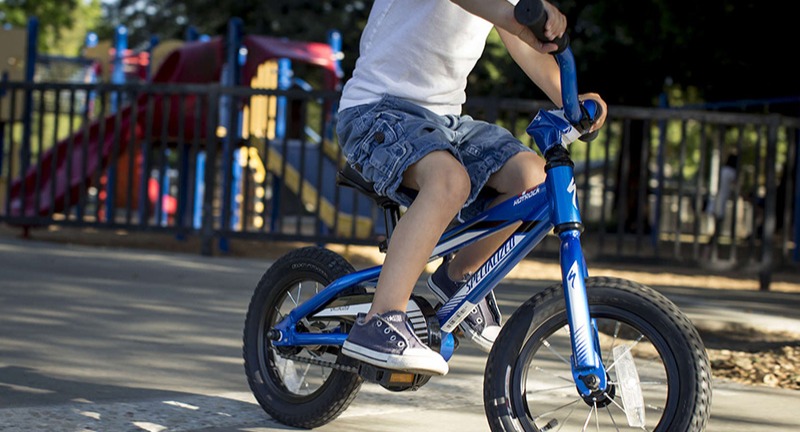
418,50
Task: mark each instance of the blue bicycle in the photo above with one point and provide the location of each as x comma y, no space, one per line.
596,352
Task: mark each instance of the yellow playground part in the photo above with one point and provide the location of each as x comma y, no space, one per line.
161,51
100,54
259,121
12,62
260,116
293,180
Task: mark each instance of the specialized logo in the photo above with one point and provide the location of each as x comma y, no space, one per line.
572,275
496,259
572,189
481,274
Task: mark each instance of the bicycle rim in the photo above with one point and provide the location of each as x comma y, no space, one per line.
294,378
638,396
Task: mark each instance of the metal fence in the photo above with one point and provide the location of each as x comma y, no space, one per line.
221,163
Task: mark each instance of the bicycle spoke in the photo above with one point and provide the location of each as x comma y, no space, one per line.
627,350
539,369
654,408
294,300
596,417
547,390
588,418
617,327
546,343
556,409
616,404
303,381
611,416
569,414
643,383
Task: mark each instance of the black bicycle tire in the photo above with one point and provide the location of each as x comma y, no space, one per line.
693,373
340,388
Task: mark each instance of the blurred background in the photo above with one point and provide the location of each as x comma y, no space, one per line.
215,119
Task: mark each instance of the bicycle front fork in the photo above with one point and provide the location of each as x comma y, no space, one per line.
587,366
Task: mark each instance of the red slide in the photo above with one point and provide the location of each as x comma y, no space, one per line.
61,176
54,183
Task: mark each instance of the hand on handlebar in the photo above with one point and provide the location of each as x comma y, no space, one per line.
554,27
600,117
556,23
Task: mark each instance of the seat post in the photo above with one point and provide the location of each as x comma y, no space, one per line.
391,215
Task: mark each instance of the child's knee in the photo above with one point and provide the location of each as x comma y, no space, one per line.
453,185
444,175
521,172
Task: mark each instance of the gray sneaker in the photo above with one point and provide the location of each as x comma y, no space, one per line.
482,325
387,340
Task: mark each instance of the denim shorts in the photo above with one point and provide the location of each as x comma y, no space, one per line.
381,140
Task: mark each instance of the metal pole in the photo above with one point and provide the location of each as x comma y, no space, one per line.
229,119
797,197
768,229
27,112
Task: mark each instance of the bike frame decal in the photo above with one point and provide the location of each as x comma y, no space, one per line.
465,307
572,189
565,205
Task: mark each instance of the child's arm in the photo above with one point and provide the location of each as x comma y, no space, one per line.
501,14
543,70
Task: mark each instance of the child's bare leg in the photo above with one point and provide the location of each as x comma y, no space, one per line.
521,172
443,187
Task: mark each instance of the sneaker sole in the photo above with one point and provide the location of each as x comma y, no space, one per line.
406,363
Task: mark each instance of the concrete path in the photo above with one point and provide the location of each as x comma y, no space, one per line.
127,340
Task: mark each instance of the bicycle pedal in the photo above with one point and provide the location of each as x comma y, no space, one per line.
393,380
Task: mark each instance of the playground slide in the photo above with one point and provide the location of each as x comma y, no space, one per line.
68,168
63,173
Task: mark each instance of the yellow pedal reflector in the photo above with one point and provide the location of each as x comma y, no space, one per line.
400,377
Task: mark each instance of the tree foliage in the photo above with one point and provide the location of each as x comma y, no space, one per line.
63,24
630,52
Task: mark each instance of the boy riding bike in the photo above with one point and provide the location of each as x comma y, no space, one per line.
400,126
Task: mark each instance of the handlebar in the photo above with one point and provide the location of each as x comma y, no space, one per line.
531,13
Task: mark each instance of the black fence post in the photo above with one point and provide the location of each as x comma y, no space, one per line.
768,228
207,224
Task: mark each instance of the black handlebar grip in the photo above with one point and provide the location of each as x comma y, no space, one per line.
531,14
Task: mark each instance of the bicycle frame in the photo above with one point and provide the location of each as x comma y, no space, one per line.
549,206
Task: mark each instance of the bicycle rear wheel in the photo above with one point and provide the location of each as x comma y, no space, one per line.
658,370
293,384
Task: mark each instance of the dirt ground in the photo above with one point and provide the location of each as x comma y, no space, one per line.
743,355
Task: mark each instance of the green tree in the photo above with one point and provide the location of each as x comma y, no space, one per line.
63,24
627,51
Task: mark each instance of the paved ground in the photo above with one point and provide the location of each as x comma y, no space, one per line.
129,340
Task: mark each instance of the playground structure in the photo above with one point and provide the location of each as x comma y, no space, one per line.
144,133
224,139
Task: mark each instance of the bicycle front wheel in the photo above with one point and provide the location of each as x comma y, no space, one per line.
657,368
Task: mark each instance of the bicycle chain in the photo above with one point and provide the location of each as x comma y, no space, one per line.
316,362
